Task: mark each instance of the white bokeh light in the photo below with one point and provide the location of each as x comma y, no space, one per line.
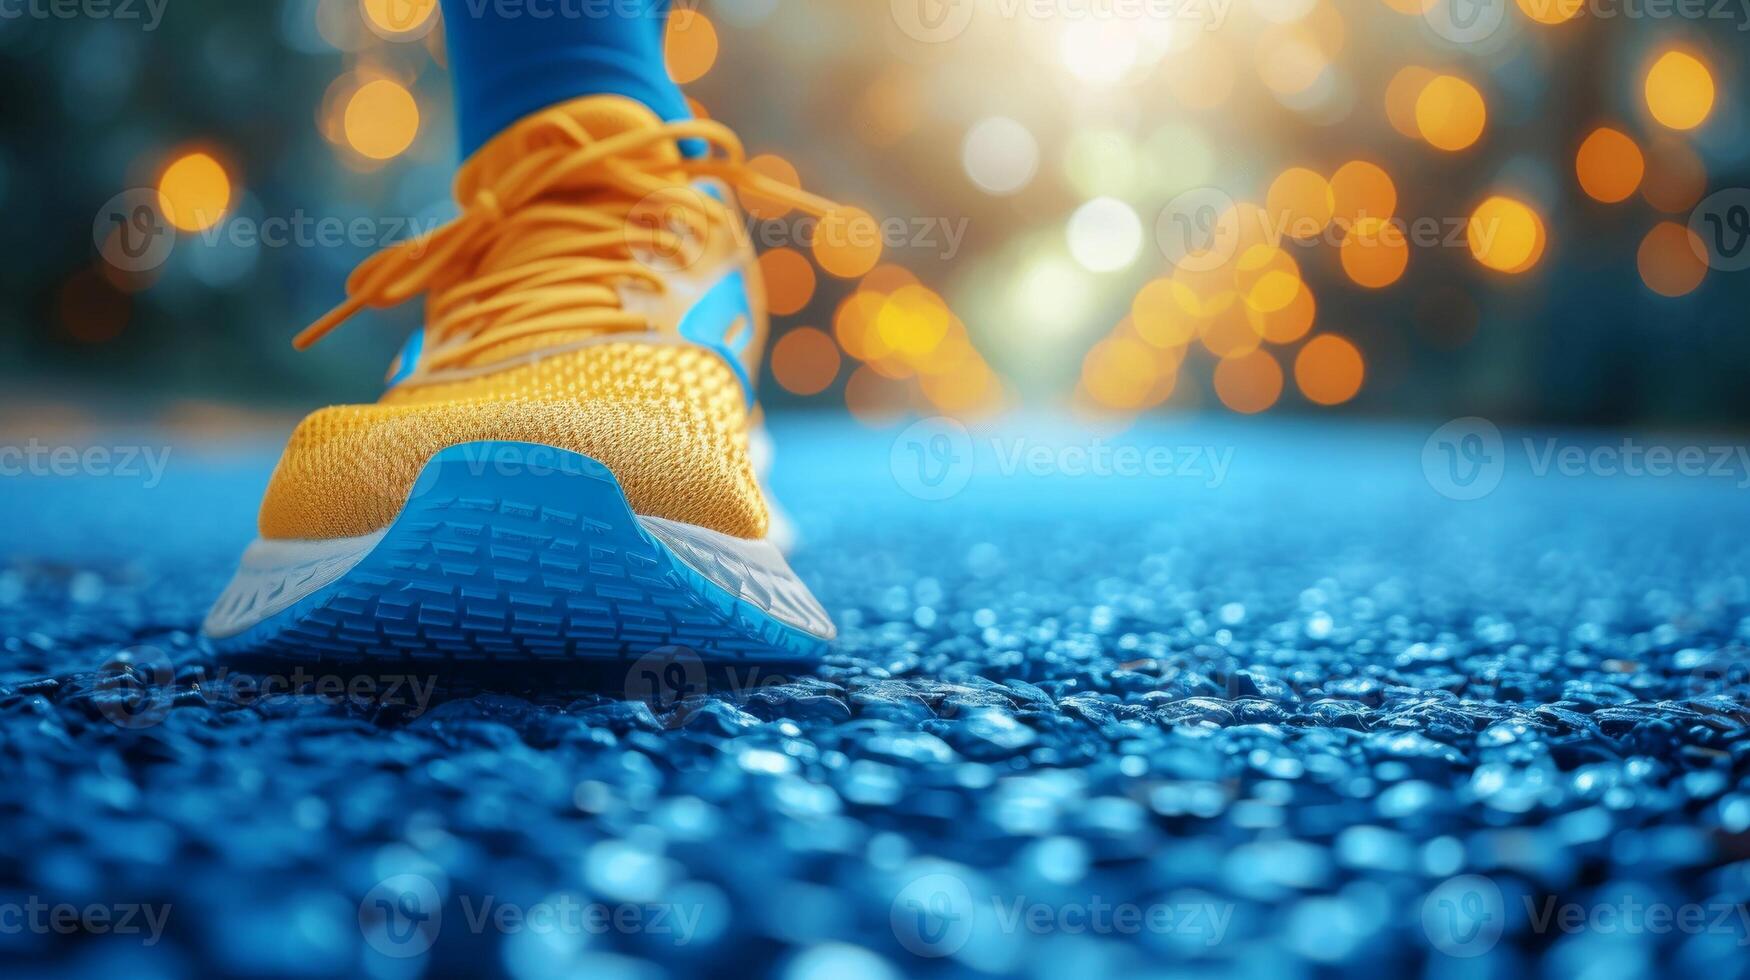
1100,53
1000,155
1105,235
1049,295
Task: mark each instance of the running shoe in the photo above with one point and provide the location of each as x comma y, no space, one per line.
560,466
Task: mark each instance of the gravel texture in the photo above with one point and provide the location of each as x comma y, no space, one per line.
1296,713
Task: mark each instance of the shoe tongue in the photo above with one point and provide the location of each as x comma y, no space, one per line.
601,117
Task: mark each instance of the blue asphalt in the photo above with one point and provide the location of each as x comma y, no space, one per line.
1249,697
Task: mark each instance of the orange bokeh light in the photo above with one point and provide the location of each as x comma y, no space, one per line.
1450,113
1329,369
1679,90
1609,165
1248,383
789,280
1669,260
805,361
1374,253
689,45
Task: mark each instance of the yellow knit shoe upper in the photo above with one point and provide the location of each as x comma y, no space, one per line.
551,316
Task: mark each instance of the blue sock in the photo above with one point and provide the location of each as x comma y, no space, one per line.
507,62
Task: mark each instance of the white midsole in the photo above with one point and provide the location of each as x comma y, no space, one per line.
276,575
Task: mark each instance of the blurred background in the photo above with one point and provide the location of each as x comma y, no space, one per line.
1525,209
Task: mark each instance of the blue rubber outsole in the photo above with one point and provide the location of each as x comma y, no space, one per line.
521,563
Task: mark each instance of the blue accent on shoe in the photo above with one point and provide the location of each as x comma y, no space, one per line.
507,62
407,361
517,552
712,323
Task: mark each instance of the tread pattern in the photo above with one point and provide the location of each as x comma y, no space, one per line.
538,566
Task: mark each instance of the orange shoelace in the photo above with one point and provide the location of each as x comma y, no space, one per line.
544,248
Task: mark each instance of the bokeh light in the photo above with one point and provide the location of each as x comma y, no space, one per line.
381,119
999,155
1123,373
1675,177
1267,278
805,361
1248,383
777,168
1159,318
1329,369
1227,331
1361,189
1450,113
1300,203
1552,11
194,191
1669,259
1609,165
1374,253
690,45
1288,324
913,321
1401,94
1679,90
1505,234
874,399
1104,235
789,280
847,242
396,19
